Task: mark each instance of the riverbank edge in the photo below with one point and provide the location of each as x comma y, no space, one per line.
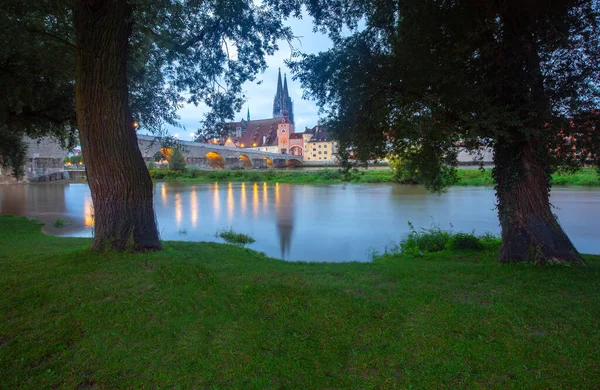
207,314
586,177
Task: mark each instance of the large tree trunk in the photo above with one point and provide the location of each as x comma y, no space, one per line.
530,231
119,181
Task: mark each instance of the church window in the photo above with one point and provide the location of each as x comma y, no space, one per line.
314,155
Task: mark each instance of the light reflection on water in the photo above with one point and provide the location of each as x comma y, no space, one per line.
304,222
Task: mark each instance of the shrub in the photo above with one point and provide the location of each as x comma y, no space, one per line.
59,223
157,173
404,172
433,239
232,237
464,241
436,239
176,160
193,173
490,240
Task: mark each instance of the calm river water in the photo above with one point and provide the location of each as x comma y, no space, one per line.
342,222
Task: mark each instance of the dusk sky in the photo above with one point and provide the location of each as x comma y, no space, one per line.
259,98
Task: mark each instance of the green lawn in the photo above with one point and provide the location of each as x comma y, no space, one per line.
465,177
207,315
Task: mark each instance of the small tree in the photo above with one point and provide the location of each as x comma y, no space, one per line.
176,160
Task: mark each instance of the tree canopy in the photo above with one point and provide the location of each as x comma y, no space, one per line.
439,72
179,51
418,77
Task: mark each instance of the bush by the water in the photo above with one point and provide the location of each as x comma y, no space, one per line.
232,237
464,241
435,239
176,160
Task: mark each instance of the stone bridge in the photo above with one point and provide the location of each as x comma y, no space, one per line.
219,157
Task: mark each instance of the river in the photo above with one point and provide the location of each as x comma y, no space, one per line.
338,222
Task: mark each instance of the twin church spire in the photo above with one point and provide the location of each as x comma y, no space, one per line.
282,103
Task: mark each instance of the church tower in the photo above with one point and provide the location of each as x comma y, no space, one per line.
284,130
282,101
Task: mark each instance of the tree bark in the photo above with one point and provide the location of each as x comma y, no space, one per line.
530,231
119,181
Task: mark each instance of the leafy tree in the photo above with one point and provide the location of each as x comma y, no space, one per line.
126,62
519,76
176,160
75,160
37,64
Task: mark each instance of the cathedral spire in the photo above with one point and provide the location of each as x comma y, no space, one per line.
282,104
279,89
277,101
285,88
248,116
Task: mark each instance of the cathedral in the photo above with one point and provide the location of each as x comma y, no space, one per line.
282,102
277,134
274,134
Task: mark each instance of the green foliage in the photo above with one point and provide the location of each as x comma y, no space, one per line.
37,66
75,160
59,223
13,151
176,160
407,171
436,239
582,177
475,177
464,241
476,75
464,177
177,51
232,237
417,242
79,319
404,172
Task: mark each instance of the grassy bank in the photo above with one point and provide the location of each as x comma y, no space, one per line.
585,177
465,177
212,315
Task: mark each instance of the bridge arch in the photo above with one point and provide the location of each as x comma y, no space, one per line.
296,150
215,161
269,161
246,162
293,162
